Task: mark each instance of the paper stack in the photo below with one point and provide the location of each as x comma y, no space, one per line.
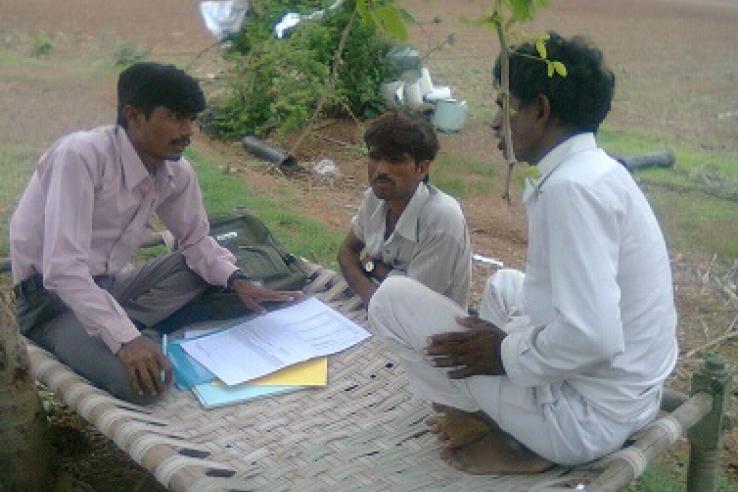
281,351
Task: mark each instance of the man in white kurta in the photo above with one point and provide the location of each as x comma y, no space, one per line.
568,358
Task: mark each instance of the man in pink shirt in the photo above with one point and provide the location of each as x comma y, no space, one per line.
83,216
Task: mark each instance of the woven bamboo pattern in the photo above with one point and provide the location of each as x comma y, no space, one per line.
363,432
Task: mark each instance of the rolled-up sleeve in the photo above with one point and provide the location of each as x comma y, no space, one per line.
581,250
184,215
69,180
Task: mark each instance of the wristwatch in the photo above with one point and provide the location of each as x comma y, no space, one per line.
369,266
235,276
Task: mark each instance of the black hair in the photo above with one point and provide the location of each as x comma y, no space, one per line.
580,100
148,85
401,132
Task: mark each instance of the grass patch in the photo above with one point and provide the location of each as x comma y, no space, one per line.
658,479
9,57
50,74
302,235
688,159
462,176
42,44
693,221
16,162
127,53
696,223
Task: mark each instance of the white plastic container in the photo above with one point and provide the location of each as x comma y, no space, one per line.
413,95
450,115
392,93
426,83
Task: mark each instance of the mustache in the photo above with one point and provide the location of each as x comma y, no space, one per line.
184,141
381,177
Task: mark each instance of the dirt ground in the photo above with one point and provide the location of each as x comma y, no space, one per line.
677,75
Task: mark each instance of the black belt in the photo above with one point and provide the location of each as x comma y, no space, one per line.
35,283
28,286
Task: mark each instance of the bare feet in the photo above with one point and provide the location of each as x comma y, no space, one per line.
456,428
495,453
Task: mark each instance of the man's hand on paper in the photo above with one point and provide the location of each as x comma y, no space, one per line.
476,351
145,364
253,295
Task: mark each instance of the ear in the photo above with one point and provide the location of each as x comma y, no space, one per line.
543,109
423,168
132,115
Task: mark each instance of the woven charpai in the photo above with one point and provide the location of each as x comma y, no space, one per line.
362,432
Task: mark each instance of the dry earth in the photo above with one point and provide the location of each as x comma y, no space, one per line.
675,60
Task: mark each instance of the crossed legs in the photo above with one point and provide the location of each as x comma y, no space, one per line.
149,294
471,438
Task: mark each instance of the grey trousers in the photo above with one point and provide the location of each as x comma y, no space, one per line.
148,294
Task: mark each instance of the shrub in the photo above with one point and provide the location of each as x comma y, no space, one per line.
274,85
42,44
127,53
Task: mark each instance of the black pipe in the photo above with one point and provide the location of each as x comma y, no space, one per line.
664,159
268,152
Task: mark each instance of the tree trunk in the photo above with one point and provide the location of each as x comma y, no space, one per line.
25,452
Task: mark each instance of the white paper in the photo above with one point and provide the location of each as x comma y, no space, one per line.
267,343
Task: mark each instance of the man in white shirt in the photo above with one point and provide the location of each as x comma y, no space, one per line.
404,225
83,216
566,361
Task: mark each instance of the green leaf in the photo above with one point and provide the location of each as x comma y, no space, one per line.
496,18
541,48
521,10
550,67
560,68
390,19
363,9
451,39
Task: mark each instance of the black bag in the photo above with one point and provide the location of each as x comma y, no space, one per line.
258,253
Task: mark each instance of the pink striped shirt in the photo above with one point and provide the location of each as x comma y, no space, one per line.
85,213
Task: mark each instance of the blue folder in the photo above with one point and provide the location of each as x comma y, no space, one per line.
215,394
187,371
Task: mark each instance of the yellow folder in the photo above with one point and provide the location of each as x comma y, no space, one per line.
313,372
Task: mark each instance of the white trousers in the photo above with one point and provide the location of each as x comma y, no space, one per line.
554,421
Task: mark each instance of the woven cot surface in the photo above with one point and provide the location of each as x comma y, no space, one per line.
363,432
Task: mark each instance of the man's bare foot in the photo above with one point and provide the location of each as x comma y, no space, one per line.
456,428
496,453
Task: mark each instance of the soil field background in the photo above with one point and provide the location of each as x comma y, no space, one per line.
676,63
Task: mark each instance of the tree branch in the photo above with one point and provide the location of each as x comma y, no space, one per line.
505,97
331,83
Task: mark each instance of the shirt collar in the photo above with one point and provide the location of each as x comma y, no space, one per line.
407,225
556,157
134,170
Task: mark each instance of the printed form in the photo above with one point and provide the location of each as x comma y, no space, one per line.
267,343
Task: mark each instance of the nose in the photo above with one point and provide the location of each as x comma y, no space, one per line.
187,127
382,166
379,166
